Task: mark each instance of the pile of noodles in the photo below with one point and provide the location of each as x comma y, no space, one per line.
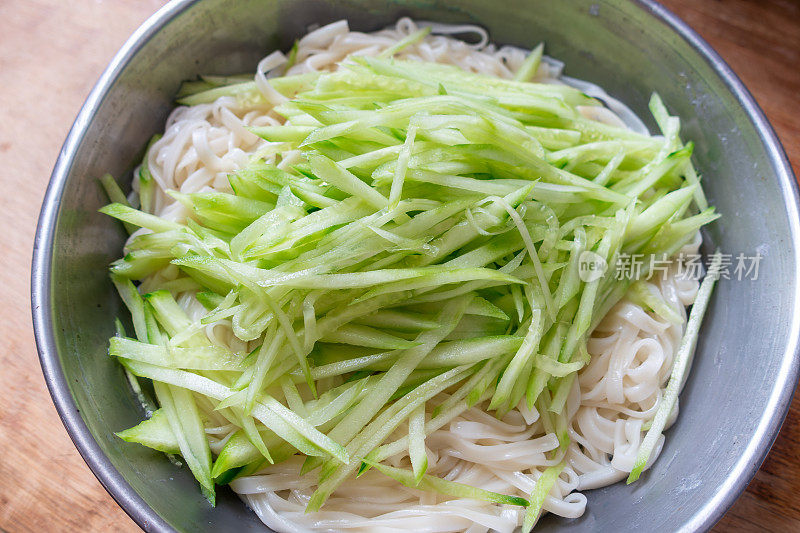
616,394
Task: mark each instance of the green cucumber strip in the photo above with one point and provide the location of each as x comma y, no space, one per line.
334,403
359,335
195,358
220,307
168,313
647,296
439,277
338,368
147,184
344,180
247,91
146,403
115,195
238,451
416,443
293,399
139,218
358,280
153,333
483,307
518,389
569,284
133,301
251,431
179,285
530,65
139,264
540,491
292,134
555,368
155,432
294,342
679,368
533,255
526,351
212,93
266,356
449,488
401,167
405,42
184,419
470,351
372,159
488,378
113,190
398,320
654,216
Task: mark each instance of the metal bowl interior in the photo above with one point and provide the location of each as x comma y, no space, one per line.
746,364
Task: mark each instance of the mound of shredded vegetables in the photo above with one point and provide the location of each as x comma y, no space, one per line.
427,239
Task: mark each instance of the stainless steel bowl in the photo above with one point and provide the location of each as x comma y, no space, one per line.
747,359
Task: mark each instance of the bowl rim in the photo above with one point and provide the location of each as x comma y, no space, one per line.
149,520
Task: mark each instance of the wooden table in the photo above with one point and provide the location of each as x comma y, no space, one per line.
51,52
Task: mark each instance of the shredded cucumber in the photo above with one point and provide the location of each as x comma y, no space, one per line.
450,488
540,491
427,238
679,368
416,443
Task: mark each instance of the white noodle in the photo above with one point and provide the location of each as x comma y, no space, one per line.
631,350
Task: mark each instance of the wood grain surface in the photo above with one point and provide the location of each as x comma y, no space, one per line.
52,51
